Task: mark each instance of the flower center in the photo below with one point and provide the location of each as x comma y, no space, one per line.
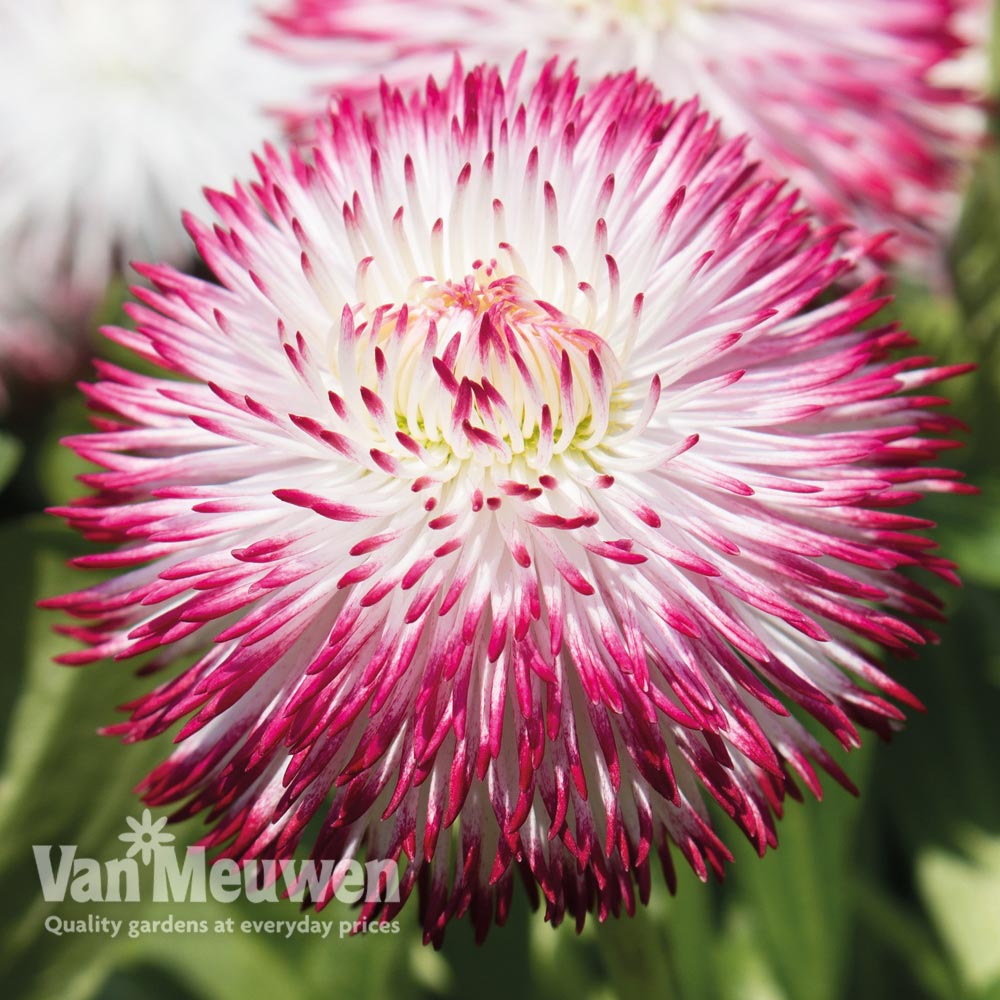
111,43
481,370
651,14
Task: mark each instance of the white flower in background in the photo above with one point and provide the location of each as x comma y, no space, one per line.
114,115
40,343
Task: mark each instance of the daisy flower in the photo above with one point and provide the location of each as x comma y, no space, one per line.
41,336
114,114
524,469
846,97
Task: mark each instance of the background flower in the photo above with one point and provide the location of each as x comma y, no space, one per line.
41,336
522,476
114,115
847,97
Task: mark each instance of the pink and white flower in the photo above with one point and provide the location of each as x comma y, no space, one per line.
852,99
523,468
41,337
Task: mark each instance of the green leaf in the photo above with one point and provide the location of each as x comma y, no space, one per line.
894,929
962,893
59,781
742,968
11,452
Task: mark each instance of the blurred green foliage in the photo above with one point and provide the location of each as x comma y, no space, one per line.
896,893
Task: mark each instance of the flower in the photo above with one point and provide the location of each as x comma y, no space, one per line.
525,465
31,351
114,115
41,336
146,837
846,97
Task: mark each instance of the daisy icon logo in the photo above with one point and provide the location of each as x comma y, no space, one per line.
146,837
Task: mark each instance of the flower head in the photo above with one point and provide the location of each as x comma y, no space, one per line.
114,114
524,467
41,336
846,97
